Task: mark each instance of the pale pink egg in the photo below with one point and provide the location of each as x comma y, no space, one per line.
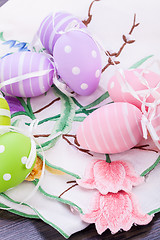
112,128
155,121
133,77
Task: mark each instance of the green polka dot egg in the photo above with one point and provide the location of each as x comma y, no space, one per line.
5,116
17,159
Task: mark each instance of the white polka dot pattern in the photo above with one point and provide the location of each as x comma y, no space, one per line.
7,176
67,49
2,148
24,160
94,54
97,73
79,62
84,86
76,70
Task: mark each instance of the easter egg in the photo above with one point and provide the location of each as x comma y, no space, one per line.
17,64
113,128
135,78
5,115
15,149
154,121
78,61
52,25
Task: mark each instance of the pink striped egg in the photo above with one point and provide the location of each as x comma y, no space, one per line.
78,61
155,121
133,78
52,24
112,128
18,64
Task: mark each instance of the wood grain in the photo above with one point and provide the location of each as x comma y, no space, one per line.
14,227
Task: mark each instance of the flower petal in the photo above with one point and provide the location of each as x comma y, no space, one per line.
131,174
101,224
140,217
90,217
110,177
88,180
116,211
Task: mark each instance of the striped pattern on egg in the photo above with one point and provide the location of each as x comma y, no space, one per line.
5,115
18,64
134,77
112,128
155,121
52,24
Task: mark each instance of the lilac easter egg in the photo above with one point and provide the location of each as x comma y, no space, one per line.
52,24
113,128
18,64
78,61
133,77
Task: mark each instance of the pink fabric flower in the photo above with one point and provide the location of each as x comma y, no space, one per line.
115,211
110,177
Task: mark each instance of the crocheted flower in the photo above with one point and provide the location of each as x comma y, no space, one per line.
115,211
110,177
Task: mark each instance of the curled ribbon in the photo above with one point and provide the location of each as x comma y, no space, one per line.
147,125
25,76
142,95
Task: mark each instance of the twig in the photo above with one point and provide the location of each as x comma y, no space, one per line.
41,135
143,147
48,105
88,20
71,181
67,190
73,136
64,136
134,24
126,41
110,62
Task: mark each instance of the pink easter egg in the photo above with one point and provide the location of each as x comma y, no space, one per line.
18,64
52,24
155,120
132,77
113,128
78,61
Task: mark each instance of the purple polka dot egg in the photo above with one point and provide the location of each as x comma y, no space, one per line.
78,61
53,24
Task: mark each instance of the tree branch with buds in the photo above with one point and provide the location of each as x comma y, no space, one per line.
127,40
88,20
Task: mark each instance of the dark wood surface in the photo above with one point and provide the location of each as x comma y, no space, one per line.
13,227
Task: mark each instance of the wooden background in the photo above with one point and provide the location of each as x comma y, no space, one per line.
13,227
